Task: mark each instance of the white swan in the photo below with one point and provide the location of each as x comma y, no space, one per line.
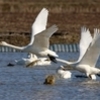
83,46
26,61
63,73
89,60
39,43
40,62
84,43
33,60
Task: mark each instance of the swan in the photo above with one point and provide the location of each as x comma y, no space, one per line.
89,60
26,61
39,43
39,62
33,60
63,73
83,46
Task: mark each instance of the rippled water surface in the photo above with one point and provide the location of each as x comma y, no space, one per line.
21,83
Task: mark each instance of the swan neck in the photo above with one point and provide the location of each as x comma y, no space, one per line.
14,47
63,61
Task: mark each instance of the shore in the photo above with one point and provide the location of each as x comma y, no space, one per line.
16,18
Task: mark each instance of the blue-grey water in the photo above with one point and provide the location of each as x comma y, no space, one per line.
21,83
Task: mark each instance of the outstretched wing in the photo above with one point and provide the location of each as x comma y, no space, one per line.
85,42
91,56
40,23
42,39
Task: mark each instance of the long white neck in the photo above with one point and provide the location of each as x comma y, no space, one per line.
65,62
14,47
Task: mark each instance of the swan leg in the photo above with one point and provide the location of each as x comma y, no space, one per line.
52,58
92,76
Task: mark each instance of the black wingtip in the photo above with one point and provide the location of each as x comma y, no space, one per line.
52,58
98,75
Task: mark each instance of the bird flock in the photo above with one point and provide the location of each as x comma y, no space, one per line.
40,54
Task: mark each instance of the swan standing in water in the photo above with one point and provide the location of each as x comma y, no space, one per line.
39,43
33,60
63,73
89,60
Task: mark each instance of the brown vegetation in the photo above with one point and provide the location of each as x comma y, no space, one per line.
17,16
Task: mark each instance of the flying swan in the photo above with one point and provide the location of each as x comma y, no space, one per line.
89,60
39,43
83,46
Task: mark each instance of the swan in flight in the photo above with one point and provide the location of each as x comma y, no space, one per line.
83,46
89,60
65,73
39,43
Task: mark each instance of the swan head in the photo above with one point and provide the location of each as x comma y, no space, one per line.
3,43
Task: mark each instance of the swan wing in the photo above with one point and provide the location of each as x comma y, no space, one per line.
40,23
95,36
85,42
42,39
91,56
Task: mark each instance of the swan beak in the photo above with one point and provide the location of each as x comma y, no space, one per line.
52,58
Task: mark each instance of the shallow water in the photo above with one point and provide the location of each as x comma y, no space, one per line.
21,83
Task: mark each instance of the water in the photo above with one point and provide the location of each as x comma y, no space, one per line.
21,83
